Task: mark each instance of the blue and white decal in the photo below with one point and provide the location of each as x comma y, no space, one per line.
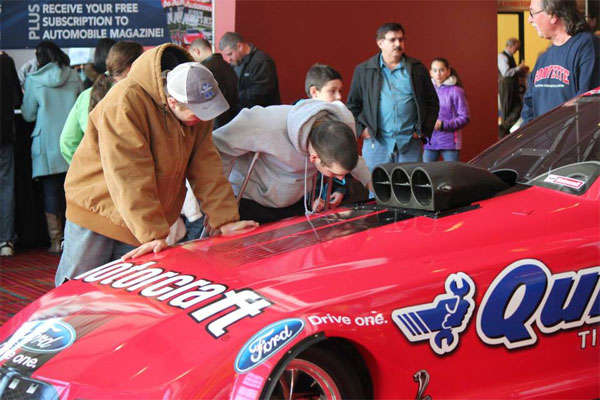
266,343
526,292
45,336
444,319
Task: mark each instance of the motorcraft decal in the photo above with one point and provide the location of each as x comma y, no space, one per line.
204,298
524,293
266,343
444,319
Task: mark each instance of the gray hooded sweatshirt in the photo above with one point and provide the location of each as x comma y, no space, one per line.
283,172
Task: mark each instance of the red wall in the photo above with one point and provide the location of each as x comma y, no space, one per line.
342,34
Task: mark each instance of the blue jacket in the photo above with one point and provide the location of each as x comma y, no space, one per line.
50,92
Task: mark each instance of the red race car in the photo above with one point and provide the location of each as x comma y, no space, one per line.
463,280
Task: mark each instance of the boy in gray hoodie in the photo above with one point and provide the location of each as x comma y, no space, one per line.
294,143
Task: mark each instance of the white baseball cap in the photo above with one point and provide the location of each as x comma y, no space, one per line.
193,84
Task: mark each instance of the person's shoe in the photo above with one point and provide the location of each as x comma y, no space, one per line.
7,249
55,231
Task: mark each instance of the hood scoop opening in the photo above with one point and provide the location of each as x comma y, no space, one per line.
437,186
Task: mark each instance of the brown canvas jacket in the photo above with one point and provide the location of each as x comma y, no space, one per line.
127,178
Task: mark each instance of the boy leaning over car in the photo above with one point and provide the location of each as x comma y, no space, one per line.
126,183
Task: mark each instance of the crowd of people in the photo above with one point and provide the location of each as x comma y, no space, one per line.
170,136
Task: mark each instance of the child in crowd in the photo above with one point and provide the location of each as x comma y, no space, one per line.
446,139
325,83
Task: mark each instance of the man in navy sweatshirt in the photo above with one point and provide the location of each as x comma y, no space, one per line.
570,66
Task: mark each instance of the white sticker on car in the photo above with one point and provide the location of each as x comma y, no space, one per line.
564,181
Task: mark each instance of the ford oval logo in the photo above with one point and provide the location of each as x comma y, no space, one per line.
48,336
266,343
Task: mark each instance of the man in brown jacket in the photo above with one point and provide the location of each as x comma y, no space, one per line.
126,184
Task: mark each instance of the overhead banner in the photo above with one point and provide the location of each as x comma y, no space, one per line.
189,20
81,23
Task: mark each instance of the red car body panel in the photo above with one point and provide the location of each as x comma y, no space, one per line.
351,274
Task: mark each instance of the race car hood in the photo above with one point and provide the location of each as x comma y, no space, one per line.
177,323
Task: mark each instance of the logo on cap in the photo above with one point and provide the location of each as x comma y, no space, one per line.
207,91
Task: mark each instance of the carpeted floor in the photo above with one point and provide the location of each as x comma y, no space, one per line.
23,278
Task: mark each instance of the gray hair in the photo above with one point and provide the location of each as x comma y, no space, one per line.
566,10
230,39
512,42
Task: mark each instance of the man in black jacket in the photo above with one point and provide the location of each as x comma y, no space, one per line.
201,51
11,96
393,101
257,76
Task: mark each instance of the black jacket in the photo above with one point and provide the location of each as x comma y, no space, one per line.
227,80
257,80
363,99
12,95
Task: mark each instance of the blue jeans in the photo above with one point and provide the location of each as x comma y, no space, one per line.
7,193
433,155
375,153
193,229
84,250
54,193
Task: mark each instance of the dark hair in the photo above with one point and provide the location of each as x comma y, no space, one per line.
230,39
318,75
566,10
389,27
334,141
100,54
452,69
47,52
119,58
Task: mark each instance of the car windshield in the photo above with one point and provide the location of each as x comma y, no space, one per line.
563,143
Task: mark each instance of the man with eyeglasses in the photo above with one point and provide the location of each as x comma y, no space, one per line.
393,101
571,65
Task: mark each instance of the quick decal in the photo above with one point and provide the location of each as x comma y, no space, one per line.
266,343
444,319
182,291
526,292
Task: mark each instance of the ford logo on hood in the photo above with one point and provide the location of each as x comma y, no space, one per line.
46,336
266,343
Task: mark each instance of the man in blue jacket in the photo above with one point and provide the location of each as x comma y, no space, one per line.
393,101
571,66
